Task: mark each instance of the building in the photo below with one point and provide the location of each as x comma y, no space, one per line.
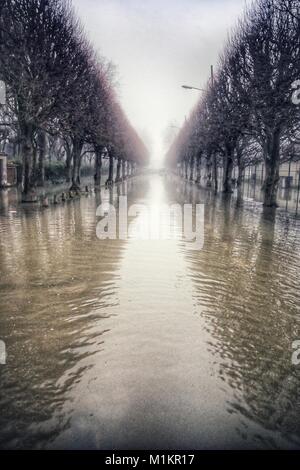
3,170
12,174
289,173
8,172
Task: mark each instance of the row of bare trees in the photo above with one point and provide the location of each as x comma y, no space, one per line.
247,115
59,91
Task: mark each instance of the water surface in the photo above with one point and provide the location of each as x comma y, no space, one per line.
149,344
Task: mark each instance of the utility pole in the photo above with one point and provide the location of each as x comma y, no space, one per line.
212,74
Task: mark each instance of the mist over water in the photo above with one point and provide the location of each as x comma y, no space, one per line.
147,344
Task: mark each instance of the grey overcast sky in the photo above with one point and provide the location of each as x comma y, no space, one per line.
158,45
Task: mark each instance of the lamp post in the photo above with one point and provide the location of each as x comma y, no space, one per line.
188,87
2,93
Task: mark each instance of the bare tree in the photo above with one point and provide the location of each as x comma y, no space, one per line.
249,104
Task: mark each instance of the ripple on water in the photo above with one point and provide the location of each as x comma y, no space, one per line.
149,335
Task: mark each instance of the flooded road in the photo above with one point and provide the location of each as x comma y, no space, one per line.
149,344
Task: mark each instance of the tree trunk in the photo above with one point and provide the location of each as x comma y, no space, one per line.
34,171
186,169
77,148
118,176
111,170
68,168
78,172
215,172
240,176
228,167
42,142
98,167
198,169
272,160
123,170
29,191
192,164
208,171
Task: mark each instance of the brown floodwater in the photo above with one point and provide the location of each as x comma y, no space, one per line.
148,343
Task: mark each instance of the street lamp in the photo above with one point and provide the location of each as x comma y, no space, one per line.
187,87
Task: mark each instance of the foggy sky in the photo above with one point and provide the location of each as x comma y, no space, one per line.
158,45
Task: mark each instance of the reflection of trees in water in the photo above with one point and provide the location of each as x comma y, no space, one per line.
57,284
246,283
